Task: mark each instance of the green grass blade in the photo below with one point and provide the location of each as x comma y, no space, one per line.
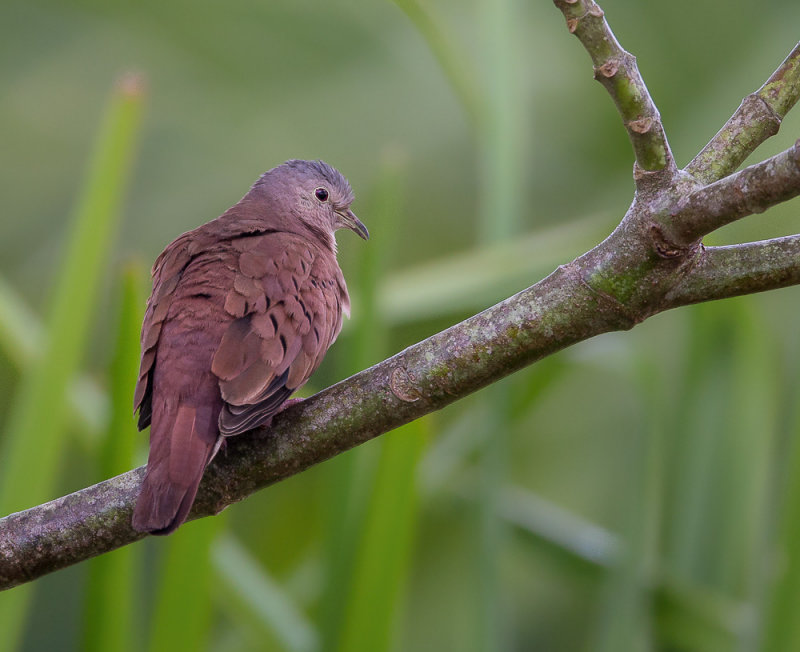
181,617
625,603
492,531
450,59
31,447
749,468
782,626
21,332
559,528
110,605
370,336
352,477
32,443
250,590
694,441
499,137
747,453
384,550
473,279
455,448
457,443
499,220
692,617
721,469
22,341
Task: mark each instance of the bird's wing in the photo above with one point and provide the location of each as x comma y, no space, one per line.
167,271
286,303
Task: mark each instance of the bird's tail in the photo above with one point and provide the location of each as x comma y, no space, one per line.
178,457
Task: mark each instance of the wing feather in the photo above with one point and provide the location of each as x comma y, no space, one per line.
166,273
292,294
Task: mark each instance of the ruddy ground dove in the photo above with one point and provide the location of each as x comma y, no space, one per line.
242,312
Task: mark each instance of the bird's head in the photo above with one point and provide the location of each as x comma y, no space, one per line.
315,193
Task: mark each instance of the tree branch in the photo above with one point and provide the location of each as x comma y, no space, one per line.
752,190
425,377
597,293
722,272
634,273
758,117
617,71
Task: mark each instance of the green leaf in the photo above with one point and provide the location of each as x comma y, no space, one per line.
720,472
22,339
474,279
111,589
184,589
384,550
782,627
353,475
689,616
450,59
621,621
32,446
21,332
250,590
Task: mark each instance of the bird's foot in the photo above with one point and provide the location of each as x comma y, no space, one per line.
289,403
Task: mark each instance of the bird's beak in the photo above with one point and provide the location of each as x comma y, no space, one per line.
349,220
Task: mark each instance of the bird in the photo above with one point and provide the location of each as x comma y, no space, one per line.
242,312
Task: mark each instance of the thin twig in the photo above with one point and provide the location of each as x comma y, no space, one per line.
758,117
731,271
616,70
752,190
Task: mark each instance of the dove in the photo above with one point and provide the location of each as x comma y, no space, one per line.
242,312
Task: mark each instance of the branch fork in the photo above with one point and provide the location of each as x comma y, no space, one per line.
676,208
616,69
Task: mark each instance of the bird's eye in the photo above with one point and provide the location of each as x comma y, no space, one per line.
321,194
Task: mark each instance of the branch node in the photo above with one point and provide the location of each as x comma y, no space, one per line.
617,70
667,249
770,115
721,272
608,69
794,153
623,316
596,11
649,182
573,21
642,125
758,117
402,384
706,208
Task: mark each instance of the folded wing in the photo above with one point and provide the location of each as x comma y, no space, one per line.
287,301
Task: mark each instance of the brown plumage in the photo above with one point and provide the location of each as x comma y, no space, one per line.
242,312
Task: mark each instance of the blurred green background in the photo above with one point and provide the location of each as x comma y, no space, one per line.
640,491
